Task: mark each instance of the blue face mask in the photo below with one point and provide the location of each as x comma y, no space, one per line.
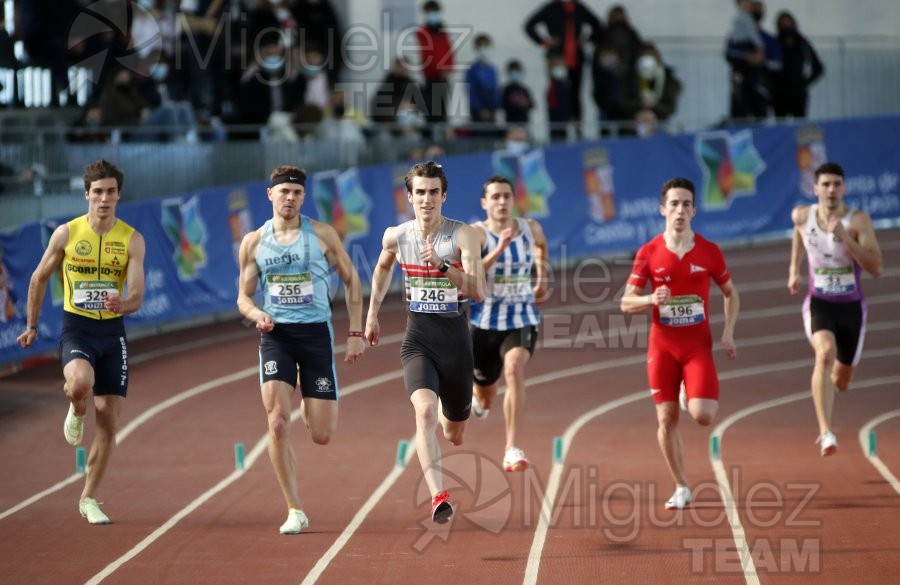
515,76
147,4
433,18
485,53
160,72
272,62
559,72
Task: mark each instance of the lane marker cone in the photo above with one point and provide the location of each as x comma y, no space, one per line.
239,456
402,448
557,450
80,460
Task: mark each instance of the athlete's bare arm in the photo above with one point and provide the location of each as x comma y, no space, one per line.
540,261
798,215
732,308
635,302
861,241
37,286
471,279
381,280
249,274
337,256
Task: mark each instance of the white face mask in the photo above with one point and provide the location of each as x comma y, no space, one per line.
516,146
559,72
272,62
647,67
160,72
147,4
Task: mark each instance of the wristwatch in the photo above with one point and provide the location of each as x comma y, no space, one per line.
444,266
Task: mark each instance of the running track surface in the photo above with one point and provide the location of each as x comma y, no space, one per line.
770,511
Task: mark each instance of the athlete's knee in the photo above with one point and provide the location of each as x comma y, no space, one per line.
426,417
841,377
320,436
278,426
704,418
106,419
667,421
79,385
514,374
454,432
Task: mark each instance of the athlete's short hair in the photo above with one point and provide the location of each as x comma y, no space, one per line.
102,169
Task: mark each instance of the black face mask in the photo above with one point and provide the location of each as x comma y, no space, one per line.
757,16
339,111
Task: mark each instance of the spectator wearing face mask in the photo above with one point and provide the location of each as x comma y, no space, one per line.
608,75
620,34
745,53
268,85
436,54
801,69
564,27
483,88
774,60
559,93
651,86
517,100
396,87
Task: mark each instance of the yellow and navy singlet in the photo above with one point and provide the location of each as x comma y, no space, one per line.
94,266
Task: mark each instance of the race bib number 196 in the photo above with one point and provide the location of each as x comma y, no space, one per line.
682,311
90,295
290,289
432,295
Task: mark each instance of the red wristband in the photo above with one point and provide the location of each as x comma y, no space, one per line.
356,334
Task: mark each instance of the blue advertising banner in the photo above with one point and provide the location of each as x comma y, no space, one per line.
591,198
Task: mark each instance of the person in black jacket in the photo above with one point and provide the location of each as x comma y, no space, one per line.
559,26
801,69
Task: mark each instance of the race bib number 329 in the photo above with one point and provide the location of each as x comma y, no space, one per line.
90,295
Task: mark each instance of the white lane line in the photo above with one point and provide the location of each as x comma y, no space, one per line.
359,517
148,414
874,459
386,483
251,458
540,536
728,499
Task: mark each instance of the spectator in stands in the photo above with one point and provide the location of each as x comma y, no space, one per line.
516,140
13,181
651,86
398,86
745,52
171,115
482,82
312,66
344,128
559,93
319,27
774,59
563,27
623,36
120,103
203,54
267,85
608,72
88,128
517,100
436,53
802,68
44,27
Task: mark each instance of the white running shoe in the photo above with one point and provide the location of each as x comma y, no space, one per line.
73,428
680,499
682,397
90,509
827,443
515,460
477,409
296,522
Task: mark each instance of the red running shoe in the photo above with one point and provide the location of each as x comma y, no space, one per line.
441,510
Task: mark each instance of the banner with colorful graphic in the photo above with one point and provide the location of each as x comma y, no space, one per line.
592,199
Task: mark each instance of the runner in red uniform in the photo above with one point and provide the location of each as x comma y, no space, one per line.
679,265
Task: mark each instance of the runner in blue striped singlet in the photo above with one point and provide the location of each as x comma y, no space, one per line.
442,270
291,258
840,243
505,326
